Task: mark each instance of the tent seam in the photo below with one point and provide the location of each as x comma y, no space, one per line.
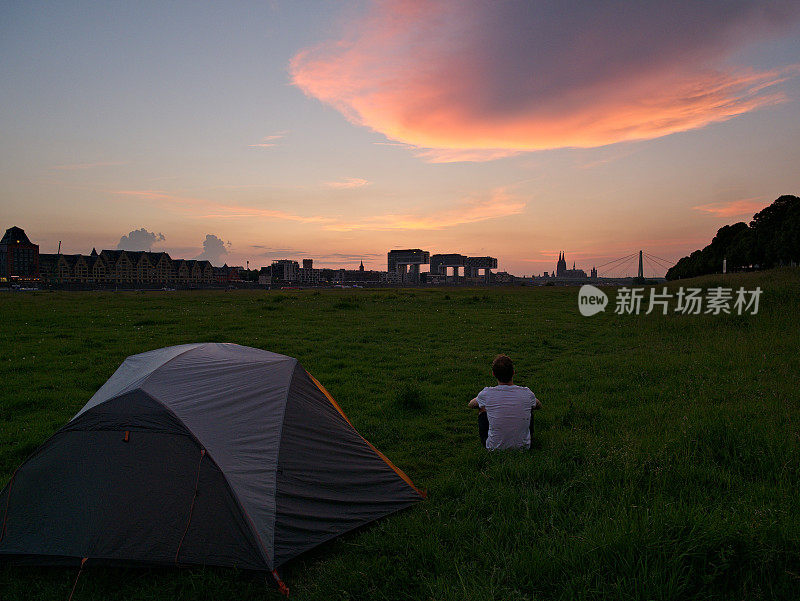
232,491
278,453
250,522
384,458
144,380
138,383
192,436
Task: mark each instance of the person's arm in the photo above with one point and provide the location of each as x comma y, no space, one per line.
476,402
537,404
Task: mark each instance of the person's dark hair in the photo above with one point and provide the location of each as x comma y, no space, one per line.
503,368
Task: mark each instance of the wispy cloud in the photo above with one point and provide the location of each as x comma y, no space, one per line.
733,208
499,203
287,252
270,141
468,155
83,166
606,157
207,209
347,183
465,80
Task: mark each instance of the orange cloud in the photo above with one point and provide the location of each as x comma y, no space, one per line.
733,208
473,81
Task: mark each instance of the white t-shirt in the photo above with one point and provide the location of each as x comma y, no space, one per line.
509,411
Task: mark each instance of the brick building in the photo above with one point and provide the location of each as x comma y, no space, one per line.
125,268
19,257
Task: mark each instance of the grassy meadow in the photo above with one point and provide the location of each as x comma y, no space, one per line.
665,464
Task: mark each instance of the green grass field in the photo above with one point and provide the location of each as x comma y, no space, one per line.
666,462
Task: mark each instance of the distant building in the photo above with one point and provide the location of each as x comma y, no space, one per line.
563,272
20,260
389,277
225,276
265,276
308,275
19,257
285,270
358,277
441,263
406,263
472,266
125,268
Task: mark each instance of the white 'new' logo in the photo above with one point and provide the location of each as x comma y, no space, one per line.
591,300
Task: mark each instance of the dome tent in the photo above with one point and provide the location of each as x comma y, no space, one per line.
213,454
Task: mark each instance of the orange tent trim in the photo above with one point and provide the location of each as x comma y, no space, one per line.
399,472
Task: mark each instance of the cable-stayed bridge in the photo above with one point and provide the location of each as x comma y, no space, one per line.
635,268
639,264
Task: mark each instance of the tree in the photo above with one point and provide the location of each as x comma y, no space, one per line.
771,239
776,231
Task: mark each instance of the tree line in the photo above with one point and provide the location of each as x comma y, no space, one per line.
770,240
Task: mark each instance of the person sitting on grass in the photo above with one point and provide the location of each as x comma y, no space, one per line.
505,420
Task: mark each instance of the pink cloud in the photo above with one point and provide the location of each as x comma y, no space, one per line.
468,80
733,208
347,183
269,141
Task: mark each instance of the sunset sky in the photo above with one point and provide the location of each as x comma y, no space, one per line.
339,130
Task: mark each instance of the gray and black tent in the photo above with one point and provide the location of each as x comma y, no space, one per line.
213,454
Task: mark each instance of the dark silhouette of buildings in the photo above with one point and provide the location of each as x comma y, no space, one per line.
126,268
19,257
20,260
405,263
403,267
472,266
563,272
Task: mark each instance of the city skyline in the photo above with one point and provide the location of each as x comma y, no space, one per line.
339,131
471,266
